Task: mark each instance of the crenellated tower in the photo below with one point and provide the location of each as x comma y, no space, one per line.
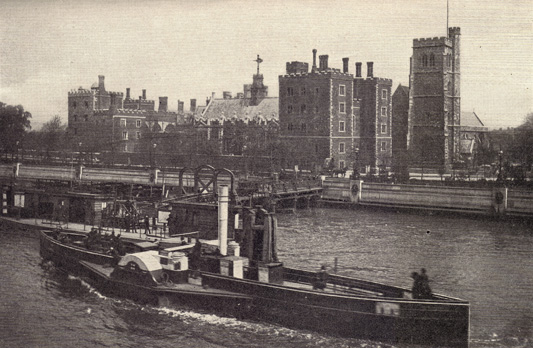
434,101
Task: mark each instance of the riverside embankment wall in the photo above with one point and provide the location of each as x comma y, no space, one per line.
490,201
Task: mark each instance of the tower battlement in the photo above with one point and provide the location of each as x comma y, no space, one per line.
432,41
80,92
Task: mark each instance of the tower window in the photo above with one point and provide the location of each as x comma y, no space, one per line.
317,90
384,111
123,122
138,123
302,91
449,60
432,60
424,60
86,118
86,104
289,109
384,94
125,135
342,90
383,146
342,127
341,148
290,91
342,108
383,128
342,164
138,135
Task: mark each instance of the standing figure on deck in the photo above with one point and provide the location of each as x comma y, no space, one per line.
146,224
417,288
425,290
321,279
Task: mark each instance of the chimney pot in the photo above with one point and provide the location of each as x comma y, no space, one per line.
144,94
127,93
314,59
193,105
358,69
345,65
323,62
370,69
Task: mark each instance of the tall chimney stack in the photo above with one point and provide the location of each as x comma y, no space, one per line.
101,85
127,93
180,106
345,65
314,60
193,105
144,94
370,69
163,104
358,69
323,62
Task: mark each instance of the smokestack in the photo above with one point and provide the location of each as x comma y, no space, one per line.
101,86
127,93
323,62
139,103
345,65
180,106
370,69
193,105
223,219
144,94
358,69
314,60
163,104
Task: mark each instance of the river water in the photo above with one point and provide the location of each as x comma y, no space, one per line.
489,263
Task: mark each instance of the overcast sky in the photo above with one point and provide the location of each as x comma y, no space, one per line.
188,49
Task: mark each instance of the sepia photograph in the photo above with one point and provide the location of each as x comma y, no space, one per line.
270,174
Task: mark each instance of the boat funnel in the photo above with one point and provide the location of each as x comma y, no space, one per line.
223,200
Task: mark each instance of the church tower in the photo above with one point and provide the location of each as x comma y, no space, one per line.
434,101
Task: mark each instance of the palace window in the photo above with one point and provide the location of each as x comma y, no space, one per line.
138,135
125,148
125,135
342,90
383,146
432,60
138,123
342,126
302,91
123,122
342,164
342,108
384,94
384,111
424,60
341,148
383,128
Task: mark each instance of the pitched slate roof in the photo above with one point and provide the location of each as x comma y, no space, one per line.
240,109
470,119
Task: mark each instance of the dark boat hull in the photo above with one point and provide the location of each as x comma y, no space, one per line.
398,320
442,322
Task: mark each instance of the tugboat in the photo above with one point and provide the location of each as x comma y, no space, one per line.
212,275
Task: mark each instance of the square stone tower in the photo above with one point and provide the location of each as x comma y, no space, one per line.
434,101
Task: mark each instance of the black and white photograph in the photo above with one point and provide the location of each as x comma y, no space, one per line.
270,174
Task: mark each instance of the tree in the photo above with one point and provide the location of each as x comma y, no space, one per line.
53,135
14,122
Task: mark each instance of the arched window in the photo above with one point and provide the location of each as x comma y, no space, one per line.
432,60
424,60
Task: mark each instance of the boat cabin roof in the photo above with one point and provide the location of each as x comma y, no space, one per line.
146,260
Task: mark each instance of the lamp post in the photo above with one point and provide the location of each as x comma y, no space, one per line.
79,153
